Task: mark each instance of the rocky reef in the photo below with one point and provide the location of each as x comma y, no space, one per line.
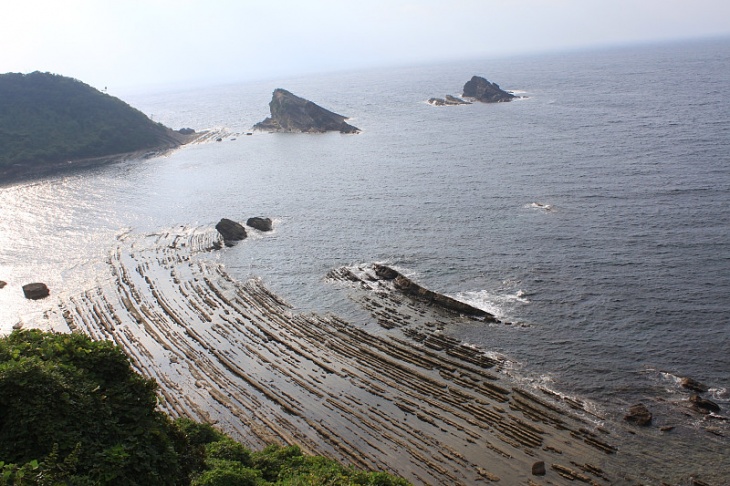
290,113
448,100
482,90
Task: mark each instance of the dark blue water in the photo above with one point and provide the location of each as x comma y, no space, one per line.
617,288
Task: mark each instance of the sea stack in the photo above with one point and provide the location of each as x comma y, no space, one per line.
290,113
482,90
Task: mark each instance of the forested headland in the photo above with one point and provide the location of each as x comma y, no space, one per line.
47,118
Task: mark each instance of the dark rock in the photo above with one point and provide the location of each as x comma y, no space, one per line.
218,139
412,289
703,405
231,231
485,91
35,291
638,415
538,469
2,284
448,101
290,113
186,131
693,385
261,224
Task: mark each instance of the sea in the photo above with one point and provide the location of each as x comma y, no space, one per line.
591,214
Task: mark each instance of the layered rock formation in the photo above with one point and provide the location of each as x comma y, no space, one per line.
482,90
290,113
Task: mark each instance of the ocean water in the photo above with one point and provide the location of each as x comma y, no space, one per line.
592,215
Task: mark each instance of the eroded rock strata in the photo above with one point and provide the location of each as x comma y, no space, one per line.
290,113
411,401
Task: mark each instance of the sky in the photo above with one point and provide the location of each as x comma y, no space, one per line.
138,43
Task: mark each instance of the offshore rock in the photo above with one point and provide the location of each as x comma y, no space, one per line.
638,415
231,231
290,113
703,405
412,289
36,291
261,224
538,469
449,100
2,284
693,385
482,90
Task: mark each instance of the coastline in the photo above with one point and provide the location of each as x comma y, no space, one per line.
409,400
20,173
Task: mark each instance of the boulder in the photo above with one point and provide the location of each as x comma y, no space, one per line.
703,405
290,113
693,385
231,231
261,224
638,415
482,90
2,284
36,291
538,469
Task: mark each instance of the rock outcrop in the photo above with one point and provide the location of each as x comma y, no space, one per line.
694,385
448,100
482,90
259,223
638,415
290,113
231,231
703,405
36,291
412,289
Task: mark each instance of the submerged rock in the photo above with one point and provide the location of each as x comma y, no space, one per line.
703,405
693,385
638,415
259,223
487,92
231,231
36,291
290,113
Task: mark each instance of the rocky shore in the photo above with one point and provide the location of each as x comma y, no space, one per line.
408,398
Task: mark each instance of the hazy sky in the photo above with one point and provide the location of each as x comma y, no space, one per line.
128,43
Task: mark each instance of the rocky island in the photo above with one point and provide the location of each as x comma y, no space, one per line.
290,113
48,120
476,89
482,90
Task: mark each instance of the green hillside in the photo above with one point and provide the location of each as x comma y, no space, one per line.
47,118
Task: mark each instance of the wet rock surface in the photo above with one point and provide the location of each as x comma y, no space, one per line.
639,415
231,231
259,223
35,291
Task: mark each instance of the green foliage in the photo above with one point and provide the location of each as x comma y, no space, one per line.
72,411
77,407
50,118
